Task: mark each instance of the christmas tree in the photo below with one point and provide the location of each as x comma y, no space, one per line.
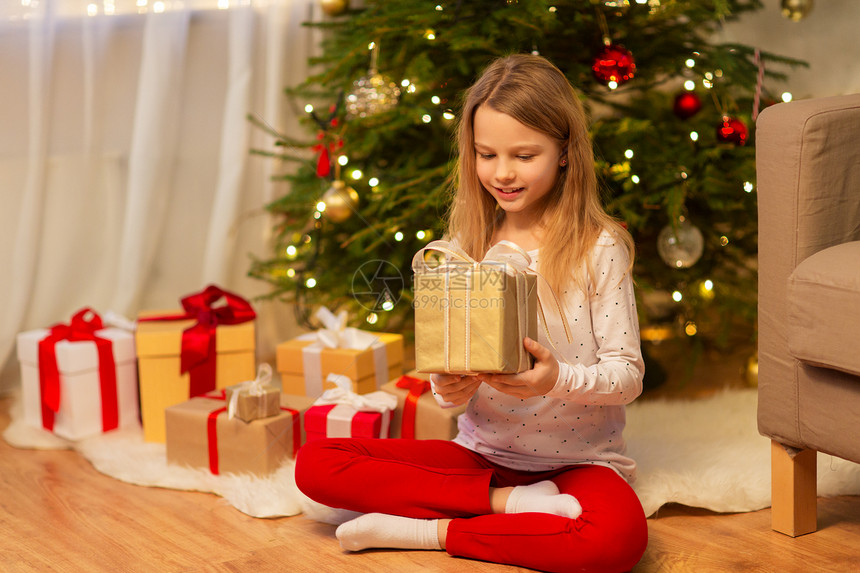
671,119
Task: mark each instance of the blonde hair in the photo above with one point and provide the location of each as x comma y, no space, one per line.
534,92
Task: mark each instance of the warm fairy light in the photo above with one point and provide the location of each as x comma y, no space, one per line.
690,328
373,181
707,83
309,108
677,296
141,3
92,9
634,179
748,187
311,282
709,76
291,273
405,83
690,62
371,45
448,115
109,7
317,214
439,8
291,251
689,85
372,318
223,4
387,305
411,89
612,85
357,174
426,118
628,154
694,135
786,97
321,206
420,234
724,241
430,35
683,175
342,159
158,7
709,284
398,236
436,100
553,9
718,73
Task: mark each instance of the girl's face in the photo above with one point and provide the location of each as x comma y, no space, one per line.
516,164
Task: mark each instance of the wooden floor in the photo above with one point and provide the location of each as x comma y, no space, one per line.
57,513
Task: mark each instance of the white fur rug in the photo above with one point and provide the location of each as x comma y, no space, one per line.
704,453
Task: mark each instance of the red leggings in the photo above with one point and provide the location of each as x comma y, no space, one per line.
440,479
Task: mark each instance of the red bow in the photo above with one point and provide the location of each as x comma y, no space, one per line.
198,340
82,327
416,388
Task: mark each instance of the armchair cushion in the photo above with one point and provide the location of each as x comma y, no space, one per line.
823,306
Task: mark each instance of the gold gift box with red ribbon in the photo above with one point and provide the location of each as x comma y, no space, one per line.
418,415
183,354
200,434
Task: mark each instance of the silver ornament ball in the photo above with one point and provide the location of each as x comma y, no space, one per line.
680,246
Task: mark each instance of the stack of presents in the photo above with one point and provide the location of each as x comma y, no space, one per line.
190,378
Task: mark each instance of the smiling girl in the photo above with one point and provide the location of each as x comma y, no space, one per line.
537,475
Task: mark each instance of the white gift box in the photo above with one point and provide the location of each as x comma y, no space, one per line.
80,412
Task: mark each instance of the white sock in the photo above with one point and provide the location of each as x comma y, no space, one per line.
380,530
542,497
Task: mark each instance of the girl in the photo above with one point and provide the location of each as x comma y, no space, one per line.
537,476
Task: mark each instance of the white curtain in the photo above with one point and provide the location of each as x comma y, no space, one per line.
125,174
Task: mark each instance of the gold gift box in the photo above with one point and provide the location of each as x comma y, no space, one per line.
432,422
473,318
255,406
159,344
258,447
358,365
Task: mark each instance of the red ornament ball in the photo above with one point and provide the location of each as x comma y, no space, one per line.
614,64
687,104
732,130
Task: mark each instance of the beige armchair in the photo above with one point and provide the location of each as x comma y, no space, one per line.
808,169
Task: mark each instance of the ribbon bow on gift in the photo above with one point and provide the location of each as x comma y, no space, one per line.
256,387
342,393
83,326
505,255
198,340
336,334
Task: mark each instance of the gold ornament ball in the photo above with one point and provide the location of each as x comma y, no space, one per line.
334,7
751,371
796,10
340,201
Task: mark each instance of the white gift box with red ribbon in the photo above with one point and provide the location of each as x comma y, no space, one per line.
341,413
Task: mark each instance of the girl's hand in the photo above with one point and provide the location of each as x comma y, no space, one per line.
454,388
535,382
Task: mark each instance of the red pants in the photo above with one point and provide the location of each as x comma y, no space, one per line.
441,479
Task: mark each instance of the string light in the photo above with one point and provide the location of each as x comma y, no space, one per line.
439,8
342,160
387,305
448,115
724,241
436,100
694,136
309,108
398,236
158,7
426,118
689,85
92,9
357,174
372,318
291,251
748,187
291,273
628,154
420,234
430,35
786,97
373,181
612,85
311,282
690,62
677,296
634,179
690,328
321,206
223,4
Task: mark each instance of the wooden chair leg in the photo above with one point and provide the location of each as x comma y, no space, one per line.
793,489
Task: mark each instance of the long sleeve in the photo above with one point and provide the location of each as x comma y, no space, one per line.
611,327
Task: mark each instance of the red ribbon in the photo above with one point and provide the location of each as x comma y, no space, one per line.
82,327
212,429
198,356
416,387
